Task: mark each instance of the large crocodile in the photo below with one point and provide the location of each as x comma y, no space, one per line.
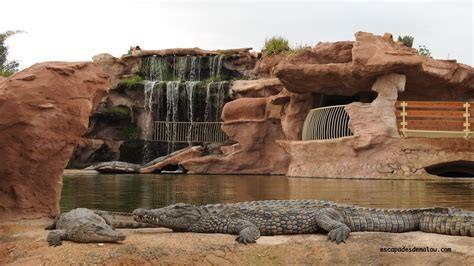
85,225
275,217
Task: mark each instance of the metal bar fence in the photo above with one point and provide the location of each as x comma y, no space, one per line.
329,122
189,132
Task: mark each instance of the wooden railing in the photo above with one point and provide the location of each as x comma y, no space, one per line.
435,119
190,132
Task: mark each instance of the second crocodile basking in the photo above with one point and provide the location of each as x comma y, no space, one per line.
251,219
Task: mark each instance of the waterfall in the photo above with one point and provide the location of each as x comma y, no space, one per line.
220,94
180,66
195,71
208,110
154,68
215,66
148,107
172,99
190,85
165,78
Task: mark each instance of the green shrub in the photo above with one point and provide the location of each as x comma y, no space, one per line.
6,73
130,82
116,113
424,51
407,40
276,45
131,132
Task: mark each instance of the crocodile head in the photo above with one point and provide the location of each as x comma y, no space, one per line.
100,233
178,216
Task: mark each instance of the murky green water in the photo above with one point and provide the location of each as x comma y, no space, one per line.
127,192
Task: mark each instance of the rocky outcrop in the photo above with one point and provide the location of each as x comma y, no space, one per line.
395,158
172,159
250,123
256,88
327,69
374,123
115,68
89,151
45,111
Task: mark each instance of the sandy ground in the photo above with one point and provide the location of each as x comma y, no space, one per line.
23,243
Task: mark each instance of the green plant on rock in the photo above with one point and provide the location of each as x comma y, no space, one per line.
130,82
116,112
407,40
276,45
424,51
131,132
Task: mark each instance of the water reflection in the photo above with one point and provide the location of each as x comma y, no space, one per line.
127,192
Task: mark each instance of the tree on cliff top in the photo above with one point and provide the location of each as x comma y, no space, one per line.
7,68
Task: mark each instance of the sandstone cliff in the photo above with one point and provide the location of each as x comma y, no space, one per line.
45,110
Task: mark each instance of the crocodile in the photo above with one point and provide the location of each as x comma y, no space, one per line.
85,225
251,219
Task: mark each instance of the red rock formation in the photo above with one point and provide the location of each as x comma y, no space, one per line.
249,122
256,88
45,110
327,69
117,67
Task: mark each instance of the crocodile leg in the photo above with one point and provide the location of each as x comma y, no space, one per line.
54,237
247,231
52,226
331,220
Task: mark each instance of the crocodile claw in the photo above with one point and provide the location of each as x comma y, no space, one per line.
339,234
247,236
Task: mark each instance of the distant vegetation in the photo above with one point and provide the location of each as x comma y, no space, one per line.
423,50
276,45
407,40
7,68
280,45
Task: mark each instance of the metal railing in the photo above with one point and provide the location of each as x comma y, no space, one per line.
329,122
435,119
189,132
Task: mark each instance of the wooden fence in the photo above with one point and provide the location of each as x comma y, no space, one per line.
435,119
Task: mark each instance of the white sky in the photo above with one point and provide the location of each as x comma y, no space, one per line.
70,30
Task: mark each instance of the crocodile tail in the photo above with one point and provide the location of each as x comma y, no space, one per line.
386,220
457,222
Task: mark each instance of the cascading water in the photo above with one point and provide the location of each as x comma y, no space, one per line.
148,107
172,100
190,86
198,76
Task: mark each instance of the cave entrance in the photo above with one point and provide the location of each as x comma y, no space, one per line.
452,169
328,119
323,100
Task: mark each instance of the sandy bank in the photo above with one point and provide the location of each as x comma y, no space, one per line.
24,242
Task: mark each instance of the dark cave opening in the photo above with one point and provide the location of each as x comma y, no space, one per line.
459,168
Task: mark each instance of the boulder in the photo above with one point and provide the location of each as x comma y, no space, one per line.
45,111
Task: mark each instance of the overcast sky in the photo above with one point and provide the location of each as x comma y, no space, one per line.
76,30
